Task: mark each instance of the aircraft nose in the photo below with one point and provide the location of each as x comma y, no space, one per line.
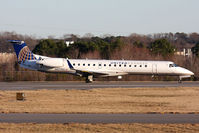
187,72
190,73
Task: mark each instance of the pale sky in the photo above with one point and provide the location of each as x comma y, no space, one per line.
43,18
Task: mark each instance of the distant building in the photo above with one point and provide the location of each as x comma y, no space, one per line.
184,52
68,43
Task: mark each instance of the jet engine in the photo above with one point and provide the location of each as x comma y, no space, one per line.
51,62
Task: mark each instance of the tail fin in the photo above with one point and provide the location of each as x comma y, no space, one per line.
22,51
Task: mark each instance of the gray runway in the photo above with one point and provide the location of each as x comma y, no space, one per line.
95,118
100,118
81,85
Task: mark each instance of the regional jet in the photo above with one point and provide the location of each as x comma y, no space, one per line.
95,68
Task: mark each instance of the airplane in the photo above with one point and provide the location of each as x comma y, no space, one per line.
90,68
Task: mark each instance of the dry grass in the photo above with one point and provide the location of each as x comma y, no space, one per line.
7,57
114,100
104,128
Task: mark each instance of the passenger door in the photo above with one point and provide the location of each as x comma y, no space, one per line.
154,69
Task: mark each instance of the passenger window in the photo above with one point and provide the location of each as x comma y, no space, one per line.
110,65
93,64
100,64
115,65
140,65
83,64
88,64
124,65
104,64
73,64
129,65
145,65
120,65
78,64
135,65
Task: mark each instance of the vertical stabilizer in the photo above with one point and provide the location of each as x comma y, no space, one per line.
22,51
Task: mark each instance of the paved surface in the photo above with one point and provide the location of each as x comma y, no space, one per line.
95,118
100,118
81,85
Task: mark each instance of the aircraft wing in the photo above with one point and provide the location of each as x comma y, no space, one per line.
85,72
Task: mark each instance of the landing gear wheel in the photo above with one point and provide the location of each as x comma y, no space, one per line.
89,79
154,77
180,80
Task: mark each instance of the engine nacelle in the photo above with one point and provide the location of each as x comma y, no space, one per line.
51,62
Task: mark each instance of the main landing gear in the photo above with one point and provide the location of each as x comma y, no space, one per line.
89,79
180,81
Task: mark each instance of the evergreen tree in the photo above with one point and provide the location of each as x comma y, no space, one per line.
162,47
195,49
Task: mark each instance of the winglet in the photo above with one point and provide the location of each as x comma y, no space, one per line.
69,64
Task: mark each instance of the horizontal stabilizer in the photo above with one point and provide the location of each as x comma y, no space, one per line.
16,41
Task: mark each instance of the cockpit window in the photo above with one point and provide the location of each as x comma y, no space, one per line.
173,65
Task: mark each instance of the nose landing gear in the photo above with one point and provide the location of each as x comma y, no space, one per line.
181,77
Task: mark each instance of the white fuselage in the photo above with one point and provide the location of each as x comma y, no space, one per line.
123,67
104,68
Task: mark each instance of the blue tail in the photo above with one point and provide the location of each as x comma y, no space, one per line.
22,51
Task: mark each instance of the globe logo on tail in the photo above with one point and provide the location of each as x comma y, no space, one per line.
25,54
